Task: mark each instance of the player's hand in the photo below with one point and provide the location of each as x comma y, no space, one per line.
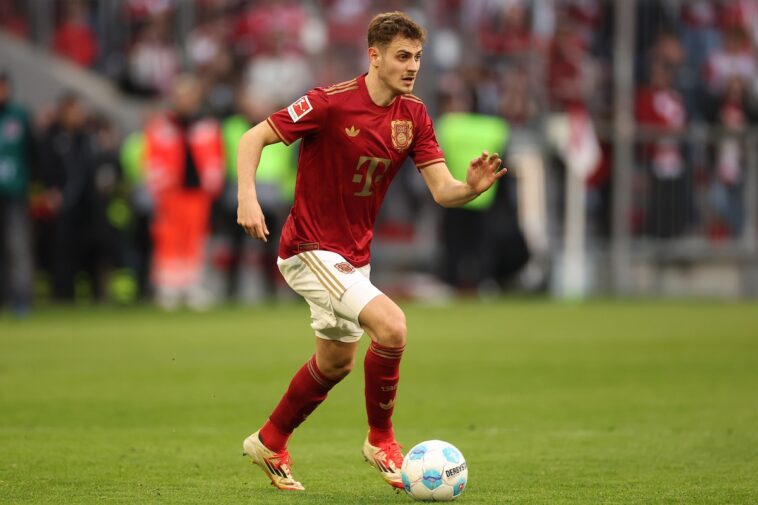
250,217
484,171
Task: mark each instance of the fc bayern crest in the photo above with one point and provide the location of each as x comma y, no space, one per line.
344,267
402,134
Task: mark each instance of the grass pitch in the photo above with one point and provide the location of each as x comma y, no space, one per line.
618,402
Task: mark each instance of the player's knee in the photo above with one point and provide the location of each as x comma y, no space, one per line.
394,332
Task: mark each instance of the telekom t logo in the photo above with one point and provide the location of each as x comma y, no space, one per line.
373,164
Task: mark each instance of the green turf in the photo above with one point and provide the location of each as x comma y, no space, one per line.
618,402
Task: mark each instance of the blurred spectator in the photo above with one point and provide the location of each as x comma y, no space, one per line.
278,76
66,175
573,91
140,246
220,81
185,172
505,30
252,270
699,15
526,165
15,159
207,41
661,116
346,20
586,16
11,22
700,37
667,48
74,38
734,59
517,103
110,218
726,191
470,256
153,61
275,36
213,62
740,13
270,26
345,28
140,10
571,69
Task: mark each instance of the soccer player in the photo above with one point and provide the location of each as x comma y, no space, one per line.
355,136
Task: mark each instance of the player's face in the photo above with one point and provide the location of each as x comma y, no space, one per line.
398,64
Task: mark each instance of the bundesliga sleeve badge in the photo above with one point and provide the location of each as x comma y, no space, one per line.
299,109
402,134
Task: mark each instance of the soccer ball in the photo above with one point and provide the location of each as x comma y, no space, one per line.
434,471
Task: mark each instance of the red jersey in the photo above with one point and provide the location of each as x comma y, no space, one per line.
351,150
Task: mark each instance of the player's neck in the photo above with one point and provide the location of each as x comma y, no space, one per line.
379,93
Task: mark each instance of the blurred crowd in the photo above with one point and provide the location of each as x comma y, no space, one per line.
110,214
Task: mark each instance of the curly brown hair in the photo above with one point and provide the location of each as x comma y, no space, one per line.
384,27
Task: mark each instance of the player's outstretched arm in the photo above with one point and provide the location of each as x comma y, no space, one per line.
249,213
449,192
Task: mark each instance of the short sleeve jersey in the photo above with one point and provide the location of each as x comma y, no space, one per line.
351,150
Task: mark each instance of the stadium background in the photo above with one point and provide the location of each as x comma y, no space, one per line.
629,131
651,104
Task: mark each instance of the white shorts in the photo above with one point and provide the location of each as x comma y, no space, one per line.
335,290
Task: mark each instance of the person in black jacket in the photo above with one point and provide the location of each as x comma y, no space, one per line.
66,173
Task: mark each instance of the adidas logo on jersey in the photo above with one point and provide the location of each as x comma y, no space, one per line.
352,132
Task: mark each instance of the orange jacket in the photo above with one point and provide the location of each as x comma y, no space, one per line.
165,157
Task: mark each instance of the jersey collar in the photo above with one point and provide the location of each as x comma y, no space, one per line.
367,98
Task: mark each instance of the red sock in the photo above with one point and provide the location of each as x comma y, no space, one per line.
382,371
307,390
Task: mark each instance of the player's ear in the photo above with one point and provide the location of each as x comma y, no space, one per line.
373,56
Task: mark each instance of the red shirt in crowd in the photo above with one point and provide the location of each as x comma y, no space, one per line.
76,42
268,28
662,110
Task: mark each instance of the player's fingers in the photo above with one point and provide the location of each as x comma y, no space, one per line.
492,159
261,231
491,165
499,170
